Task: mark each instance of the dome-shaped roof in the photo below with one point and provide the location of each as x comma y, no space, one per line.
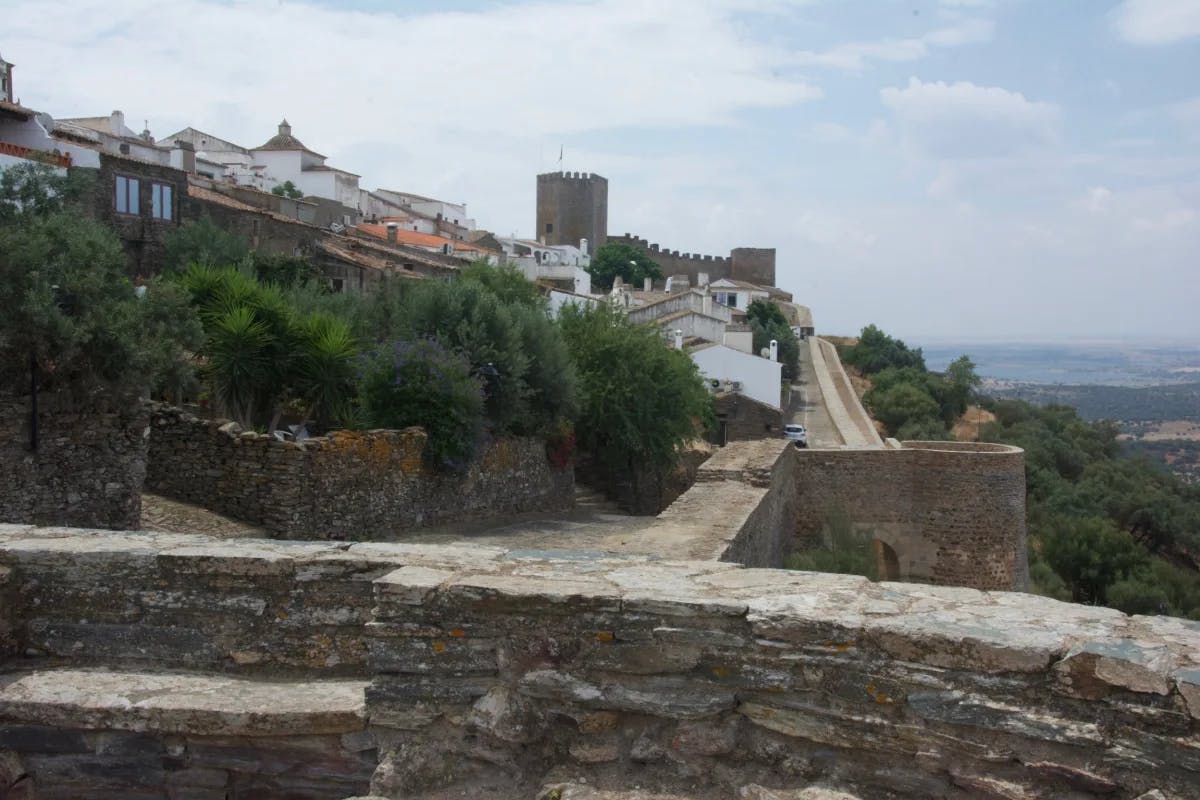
283,140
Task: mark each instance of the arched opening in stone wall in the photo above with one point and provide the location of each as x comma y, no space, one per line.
887,563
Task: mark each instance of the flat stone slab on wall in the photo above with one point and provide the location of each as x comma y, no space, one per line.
349,484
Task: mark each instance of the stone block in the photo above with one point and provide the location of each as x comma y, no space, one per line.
1094,668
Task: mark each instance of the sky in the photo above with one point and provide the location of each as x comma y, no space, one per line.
950,170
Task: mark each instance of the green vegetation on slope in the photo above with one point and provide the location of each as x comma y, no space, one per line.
912,402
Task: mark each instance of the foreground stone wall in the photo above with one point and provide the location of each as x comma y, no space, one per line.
952,512
659,675
88,468
347,484
494,672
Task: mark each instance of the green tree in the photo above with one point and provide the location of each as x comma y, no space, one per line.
640,401
202,242
287,189
507,283
71,315
37,189
616,259
902,404
421,383
877,351
1091,554
507,338
961,382
768,322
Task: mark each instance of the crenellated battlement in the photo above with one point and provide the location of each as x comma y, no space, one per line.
554,177
655,248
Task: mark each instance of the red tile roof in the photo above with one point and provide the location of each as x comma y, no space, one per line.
419,239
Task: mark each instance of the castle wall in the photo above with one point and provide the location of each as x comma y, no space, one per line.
953,512
673,262
87,469
753,264
347,484
575,206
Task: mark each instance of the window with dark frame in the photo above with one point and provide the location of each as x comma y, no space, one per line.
161,195
125,200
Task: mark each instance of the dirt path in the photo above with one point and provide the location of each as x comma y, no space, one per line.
162,514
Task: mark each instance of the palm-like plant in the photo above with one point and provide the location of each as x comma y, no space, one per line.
323,373
241,363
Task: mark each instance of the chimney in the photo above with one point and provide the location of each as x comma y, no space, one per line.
678,339
706,305
702,279
187,156
583,246
774,350
647,284
285,129
391,231
116,123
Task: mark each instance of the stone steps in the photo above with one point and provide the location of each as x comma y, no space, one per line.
101,734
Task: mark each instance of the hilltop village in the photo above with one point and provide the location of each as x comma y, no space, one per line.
411,509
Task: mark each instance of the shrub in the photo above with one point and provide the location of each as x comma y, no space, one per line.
407,383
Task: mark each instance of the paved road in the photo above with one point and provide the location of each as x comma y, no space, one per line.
808,406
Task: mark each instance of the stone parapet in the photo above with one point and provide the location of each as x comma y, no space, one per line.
643,669
494,668
348,484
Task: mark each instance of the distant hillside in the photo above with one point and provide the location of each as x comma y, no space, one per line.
1179,401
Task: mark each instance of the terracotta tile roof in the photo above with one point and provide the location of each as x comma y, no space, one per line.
418,239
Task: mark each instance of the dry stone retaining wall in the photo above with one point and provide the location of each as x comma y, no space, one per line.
348,484
953,512
87,470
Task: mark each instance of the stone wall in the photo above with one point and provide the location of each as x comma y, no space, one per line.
668,675
741,509
348,484
493,672
952,512
743,418
88,467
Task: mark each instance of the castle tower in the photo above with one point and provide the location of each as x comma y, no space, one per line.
572,206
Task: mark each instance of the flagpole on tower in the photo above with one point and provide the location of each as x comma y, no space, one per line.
560,157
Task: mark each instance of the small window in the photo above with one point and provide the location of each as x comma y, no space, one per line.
549,227
126,200
160,201
337,286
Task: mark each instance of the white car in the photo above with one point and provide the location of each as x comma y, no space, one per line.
797,434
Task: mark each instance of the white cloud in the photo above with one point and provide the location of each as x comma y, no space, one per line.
1157,22
963,120
855,56
1097,199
